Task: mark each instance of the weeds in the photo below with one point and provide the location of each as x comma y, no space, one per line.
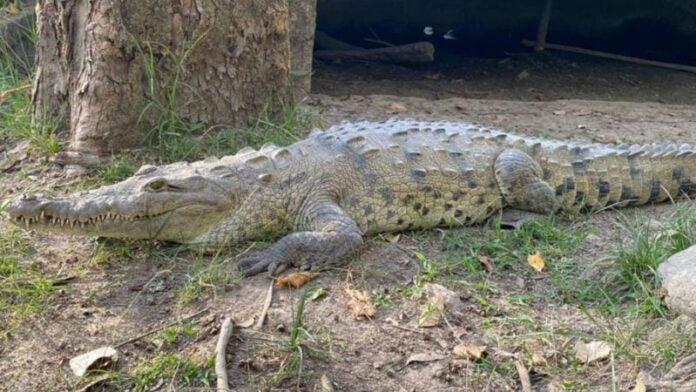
16,112
182,370
23,291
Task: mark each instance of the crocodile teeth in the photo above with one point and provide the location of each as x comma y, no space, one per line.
43,215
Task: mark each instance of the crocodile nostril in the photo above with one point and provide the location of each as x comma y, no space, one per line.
28,197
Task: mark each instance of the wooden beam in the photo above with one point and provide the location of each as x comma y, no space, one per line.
611,56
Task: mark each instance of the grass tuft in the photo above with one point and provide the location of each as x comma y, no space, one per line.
178,369
23,289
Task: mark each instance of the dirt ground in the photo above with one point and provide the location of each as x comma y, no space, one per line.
554,96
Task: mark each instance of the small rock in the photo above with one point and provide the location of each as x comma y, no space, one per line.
433,289
592,351
678,275
523,75
95,359
72,171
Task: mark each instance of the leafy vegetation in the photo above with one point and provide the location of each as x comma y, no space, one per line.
23,289
177,369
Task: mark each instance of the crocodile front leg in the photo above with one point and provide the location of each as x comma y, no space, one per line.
330,235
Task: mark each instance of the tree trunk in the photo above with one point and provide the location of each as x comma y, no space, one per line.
303,16
105,65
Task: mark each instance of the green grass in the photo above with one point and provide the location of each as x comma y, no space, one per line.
206,276
184,330
16,110
115,170
642,247
23,289
171,136
176,369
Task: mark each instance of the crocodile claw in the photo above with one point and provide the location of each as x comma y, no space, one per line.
259,261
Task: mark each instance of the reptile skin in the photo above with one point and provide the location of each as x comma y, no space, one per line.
324,193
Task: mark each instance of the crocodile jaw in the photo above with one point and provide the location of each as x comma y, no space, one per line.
112,212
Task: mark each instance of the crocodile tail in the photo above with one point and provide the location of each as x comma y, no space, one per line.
637,175
601,176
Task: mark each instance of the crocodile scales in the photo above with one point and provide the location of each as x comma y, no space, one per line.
322,194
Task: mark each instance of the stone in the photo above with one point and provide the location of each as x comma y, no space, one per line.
678,275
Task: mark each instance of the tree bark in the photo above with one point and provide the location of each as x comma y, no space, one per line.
303,16
101,63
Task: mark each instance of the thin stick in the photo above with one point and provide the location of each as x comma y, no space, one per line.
404,328
9,91
266,306
611,56
524,376
328,42
150,332
223,384
543,29
417,52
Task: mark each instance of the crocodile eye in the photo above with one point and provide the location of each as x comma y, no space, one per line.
156,185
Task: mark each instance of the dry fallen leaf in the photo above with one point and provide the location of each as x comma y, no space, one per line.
539,360
296,279
95,359
640,386
395,107
536,261
432,312
360,304
469,350
424,357
641,382
12,8
592,351
487,262
326,384
246,323
392,237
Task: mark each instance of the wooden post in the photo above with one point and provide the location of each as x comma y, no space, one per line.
543,27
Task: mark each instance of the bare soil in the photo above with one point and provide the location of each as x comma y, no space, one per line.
123,297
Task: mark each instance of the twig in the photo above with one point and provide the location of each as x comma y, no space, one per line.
404,328
223,384
454,334
611,56
10,91
524,376
150,332
328,42
266,306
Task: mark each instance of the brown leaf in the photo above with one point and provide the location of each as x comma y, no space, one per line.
432,312
395,107
592,351
424,357
246,323
640,386
392,237
536,261
469,350
95,359
296,279
539,360
360,304
640,383
12,8
487,262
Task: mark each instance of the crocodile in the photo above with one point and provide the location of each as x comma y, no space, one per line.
321,195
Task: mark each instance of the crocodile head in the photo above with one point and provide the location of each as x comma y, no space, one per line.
178,202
